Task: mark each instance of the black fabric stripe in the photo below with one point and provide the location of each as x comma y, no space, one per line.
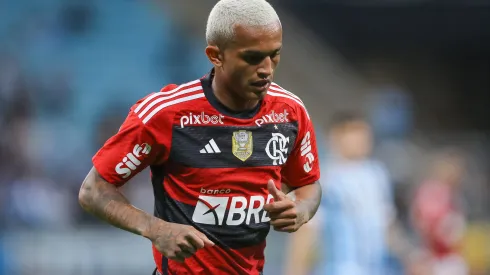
187,143
158,176
165,265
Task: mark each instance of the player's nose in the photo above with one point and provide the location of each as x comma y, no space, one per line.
266,68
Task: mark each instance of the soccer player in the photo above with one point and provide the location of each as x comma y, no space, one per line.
357,218
220,149
438,216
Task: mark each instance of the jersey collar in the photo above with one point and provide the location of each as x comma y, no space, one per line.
206,82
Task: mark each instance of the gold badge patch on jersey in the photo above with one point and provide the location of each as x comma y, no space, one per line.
242,144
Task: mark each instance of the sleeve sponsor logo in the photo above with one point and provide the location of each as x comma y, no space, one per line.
306,153
273,117
200,119
132,160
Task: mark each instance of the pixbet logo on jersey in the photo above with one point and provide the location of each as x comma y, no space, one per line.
230,210
273,117
306,152
132,160
201,118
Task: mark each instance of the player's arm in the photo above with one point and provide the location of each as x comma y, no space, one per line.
301,174
105,201
307,198
396,236
300,251
124,155
302,247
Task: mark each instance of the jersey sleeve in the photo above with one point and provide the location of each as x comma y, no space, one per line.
302,167
133,148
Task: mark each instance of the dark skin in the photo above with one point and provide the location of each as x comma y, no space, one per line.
252,56
287,214
105,200
243,71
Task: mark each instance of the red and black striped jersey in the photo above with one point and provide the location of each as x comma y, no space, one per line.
210,167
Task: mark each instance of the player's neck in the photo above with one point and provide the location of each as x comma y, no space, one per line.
229,100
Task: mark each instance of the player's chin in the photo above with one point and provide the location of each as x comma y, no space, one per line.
257,92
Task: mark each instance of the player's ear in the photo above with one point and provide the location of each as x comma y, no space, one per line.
214,55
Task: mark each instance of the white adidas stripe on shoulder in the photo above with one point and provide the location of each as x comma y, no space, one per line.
286,96
278,88
148,99
170,103
281,92
160,99
290,97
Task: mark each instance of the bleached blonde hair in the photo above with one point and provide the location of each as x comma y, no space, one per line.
227,14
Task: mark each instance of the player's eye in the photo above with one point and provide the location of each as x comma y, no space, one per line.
253,59
276,54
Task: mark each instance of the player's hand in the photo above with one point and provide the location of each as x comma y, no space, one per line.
178,241
284,213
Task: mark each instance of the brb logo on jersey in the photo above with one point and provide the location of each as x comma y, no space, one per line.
132,160
277,149
201,118
273,117
306,152
234,210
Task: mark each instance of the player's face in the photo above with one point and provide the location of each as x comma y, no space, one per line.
250,60
353,140
449,170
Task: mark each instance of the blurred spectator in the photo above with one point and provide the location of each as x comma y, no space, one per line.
57,94
438,217
36,202
15,116
357,208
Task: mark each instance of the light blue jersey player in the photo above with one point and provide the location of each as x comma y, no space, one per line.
349,232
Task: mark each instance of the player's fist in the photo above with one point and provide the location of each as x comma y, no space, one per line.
177,241
284,212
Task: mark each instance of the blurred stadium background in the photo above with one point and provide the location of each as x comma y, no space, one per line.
69,70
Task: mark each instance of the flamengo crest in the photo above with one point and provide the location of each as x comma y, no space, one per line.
277,148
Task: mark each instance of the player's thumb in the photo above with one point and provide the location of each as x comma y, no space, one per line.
276,193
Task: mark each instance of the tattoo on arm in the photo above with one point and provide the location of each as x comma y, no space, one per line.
105,201
308,200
